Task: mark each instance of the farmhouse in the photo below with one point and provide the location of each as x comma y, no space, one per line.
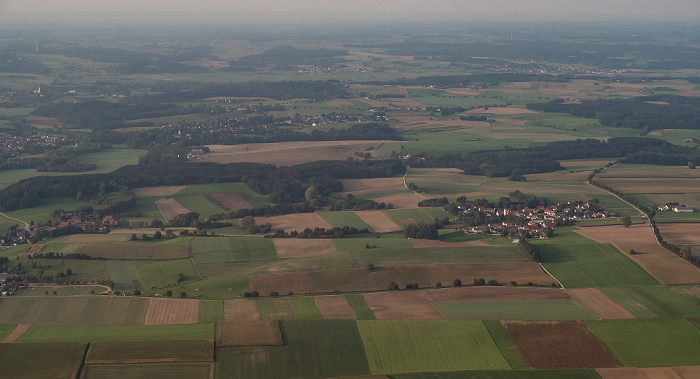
680,208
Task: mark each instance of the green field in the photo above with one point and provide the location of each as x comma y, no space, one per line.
43,212
275,309
83,270
340,219
90,310
581,263
124,275
62,291
5,329
151,371
42,360
136,250
164,351
232,249
360,307
650,342
211,311
408,346
161,274
148,210
409,216
305,308
312,349
516,310
652,301
192,197
90,333
505,346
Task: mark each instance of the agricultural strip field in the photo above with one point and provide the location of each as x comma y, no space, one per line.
360,307
230,202
161,191
275,309
232,249
663,265
678,372
211,311
312,349
90,333
378,221
401,201
11,333
410,216
650,342
124,275
505,345
341,219
305,308
149,371
409,346
298,222
131,352
170,208
248,333
240,310
498,293
172,311
212,198
681,234
556,345
95,310
42,360
295,247
652,301
516,310
373,186
162,274
135,250
334,308
596,300
408,305
509,374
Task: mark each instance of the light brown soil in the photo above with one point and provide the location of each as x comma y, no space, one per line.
651,185
334,308
294,247
503,272
378,221
661,373
407,200
596,300
404,305
172,311
663,265
297,282
421,243
170,208
357,280
36,248
681,234
688,372
552,345
240,310
155,191
636,233
365,186
621,373
248,333
16,333
297,221
288,153
228,201
499,293
44,121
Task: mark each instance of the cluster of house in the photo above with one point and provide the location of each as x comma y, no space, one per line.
675,208
534,221
15,145
10,283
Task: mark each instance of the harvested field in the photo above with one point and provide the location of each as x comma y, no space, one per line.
636,233
401,201
248,333
228,201
297,282
16,333
155,191
594,299
503,272
240,310
411,305
298,222
288,153
172,311
170,208
663,265
378,221
499,293
678,372
367,186
421,243
294,247
681,234
334,308
130,352
555,345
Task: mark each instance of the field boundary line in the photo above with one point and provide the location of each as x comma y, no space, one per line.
553,277
168,196
405,185
16,333
26,224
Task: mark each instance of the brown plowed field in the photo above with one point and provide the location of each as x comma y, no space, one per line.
663,265
295,247
677,372
228,200
622,373
503,272
551,345
170,208
16,333
248,333
155,191
172,311
688,372
297,282
298,222
378,221
681,234
500,293
363,280
404,305
401,201
421,243
240,310
365,186
289,153
637,233
334,308
602,305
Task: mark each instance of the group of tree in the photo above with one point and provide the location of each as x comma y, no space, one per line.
425,230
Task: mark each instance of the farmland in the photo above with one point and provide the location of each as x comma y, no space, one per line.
128,352
57,359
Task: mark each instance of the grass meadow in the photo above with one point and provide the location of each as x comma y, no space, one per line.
232,249
516,310
91,333
42,360
305,308
211,311
340,219
151,371
124,275
89,310
360,307
652,301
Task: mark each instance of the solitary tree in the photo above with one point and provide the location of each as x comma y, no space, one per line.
457,283
370,267
169,293
627,221
183,294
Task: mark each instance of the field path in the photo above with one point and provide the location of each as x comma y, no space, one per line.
15,334
405,185
26,225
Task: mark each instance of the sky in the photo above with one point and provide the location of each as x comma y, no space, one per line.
329,11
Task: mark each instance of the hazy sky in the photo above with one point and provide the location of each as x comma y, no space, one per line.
325,11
